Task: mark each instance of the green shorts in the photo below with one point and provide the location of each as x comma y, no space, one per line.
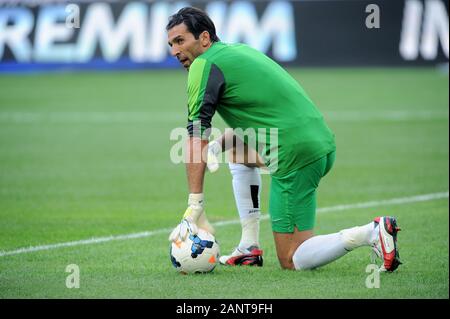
293,197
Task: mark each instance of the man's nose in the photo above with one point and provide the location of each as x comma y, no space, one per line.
174,51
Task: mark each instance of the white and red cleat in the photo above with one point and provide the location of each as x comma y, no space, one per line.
251,256
386,245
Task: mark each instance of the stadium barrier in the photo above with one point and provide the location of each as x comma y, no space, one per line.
80,34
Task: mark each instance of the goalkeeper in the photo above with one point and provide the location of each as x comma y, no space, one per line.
252,92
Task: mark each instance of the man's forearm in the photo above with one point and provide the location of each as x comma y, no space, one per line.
196,163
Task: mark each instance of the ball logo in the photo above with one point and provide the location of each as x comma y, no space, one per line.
175,263
198,253
198,245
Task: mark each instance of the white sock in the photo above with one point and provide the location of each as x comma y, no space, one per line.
247,189
318,251
359,236
250,232
321,250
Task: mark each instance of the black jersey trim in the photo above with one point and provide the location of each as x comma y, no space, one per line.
213,92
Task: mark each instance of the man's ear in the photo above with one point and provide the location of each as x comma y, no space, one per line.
205,38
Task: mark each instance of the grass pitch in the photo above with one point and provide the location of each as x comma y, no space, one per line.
86,155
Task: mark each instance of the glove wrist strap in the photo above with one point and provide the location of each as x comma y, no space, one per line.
196,200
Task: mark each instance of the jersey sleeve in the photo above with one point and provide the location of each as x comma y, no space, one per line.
205,87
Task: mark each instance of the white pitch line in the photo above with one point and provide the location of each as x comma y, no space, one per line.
96,240
393,201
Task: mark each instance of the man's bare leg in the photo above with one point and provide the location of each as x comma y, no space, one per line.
287,243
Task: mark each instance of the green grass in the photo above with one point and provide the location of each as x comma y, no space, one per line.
87,155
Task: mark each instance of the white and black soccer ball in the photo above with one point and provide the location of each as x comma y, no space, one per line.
197,254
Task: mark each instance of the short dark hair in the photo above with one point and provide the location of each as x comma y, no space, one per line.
196,21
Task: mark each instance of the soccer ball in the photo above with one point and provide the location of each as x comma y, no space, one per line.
197,254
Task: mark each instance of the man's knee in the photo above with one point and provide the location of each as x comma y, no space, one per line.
286,262
245,156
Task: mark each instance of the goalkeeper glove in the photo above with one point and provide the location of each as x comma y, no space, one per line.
214,151
182,231
193,218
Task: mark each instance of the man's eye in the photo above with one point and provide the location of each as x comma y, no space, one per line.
180,41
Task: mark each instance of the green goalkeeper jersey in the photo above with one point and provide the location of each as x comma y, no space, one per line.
258,98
